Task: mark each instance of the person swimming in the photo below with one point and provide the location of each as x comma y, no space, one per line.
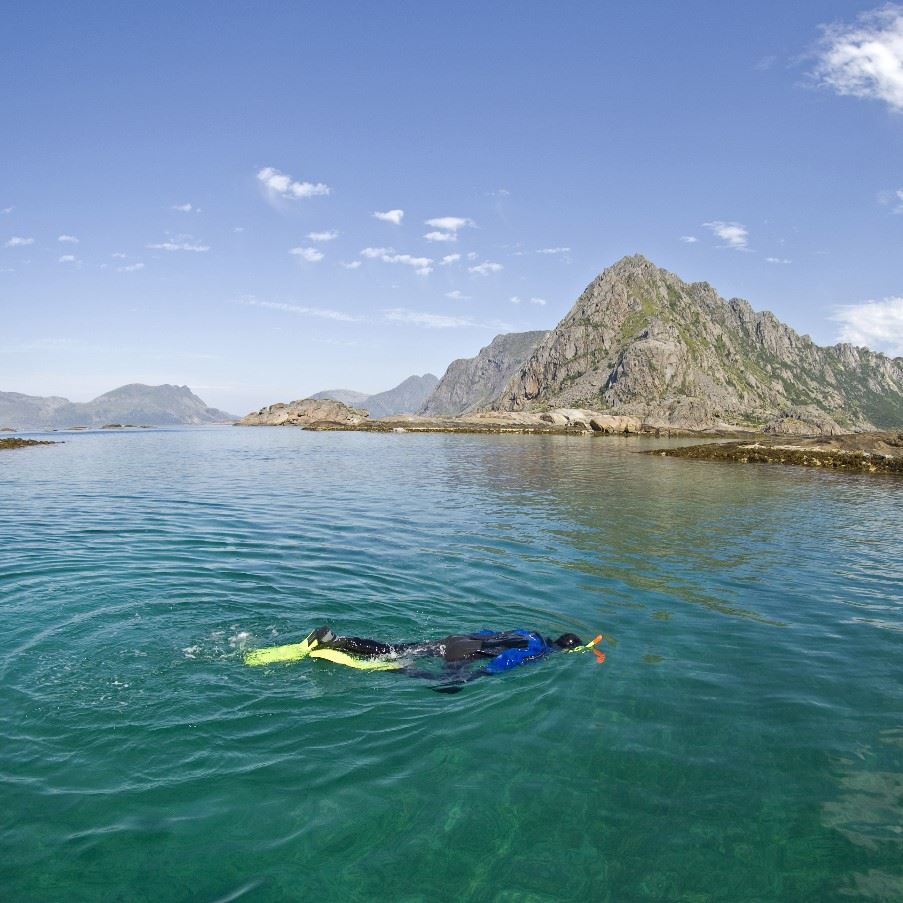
501,650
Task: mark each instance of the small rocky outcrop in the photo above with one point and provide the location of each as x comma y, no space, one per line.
306,412
875,452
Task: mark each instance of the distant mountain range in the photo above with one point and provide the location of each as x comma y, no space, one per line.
639,342
406,398
134,404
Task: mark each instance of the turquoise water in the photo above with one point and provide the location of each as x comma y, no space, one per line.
743,740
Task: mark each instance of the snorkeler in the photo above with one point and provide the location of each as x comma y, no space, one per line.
505,649
501,650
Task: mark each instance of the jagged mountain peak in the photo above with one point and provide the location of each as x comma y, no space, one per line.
641,341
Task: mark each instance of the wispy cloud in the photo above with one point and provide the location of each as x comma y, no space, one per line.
179,245
734,235
456,295
554,251
279,184
6,210
441,236
301,310
68,239
353,265
130,268
430,321
892,199
877,324
541,302
184,208
689,239
485,268
310,255
777,260
118,255
449,259
329,235
422,265
68,258
864,59
390,216
17,241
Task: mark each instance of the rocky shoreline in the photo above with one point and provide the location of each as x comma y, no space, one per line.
327,415
878,452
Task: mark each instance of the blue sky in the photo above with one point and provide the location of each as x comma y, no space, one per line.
189,190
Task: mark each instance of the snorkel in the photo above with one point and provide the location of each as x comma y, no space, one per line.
590,646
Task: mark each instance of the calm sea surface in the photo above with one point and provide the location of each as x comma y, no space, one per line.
743,740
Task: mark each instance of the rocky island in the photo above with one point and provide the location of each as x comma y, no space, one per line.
644,353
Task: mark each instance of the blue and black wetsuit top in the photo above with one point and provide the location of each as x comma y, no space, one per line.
505,650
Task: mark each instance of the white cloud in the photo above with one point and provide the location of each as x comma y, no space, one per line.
429,321
865,59
689,239
777,260
390,216
238,229
351,266
180,245
441,236
183,208
450,223
449,259
329,235
423,265
376,253
118,255
485,268
456,295
515,300
554,251
734,235
68,258
540,301
130,268
311,255
68,239
18,242
281,185
877,324
6,210
302,310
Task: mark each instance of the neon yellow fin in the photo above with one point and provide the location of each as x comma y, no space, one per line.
272,654
351,661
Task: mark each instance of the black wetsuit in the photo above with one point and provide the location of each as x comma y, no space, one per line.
454,648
